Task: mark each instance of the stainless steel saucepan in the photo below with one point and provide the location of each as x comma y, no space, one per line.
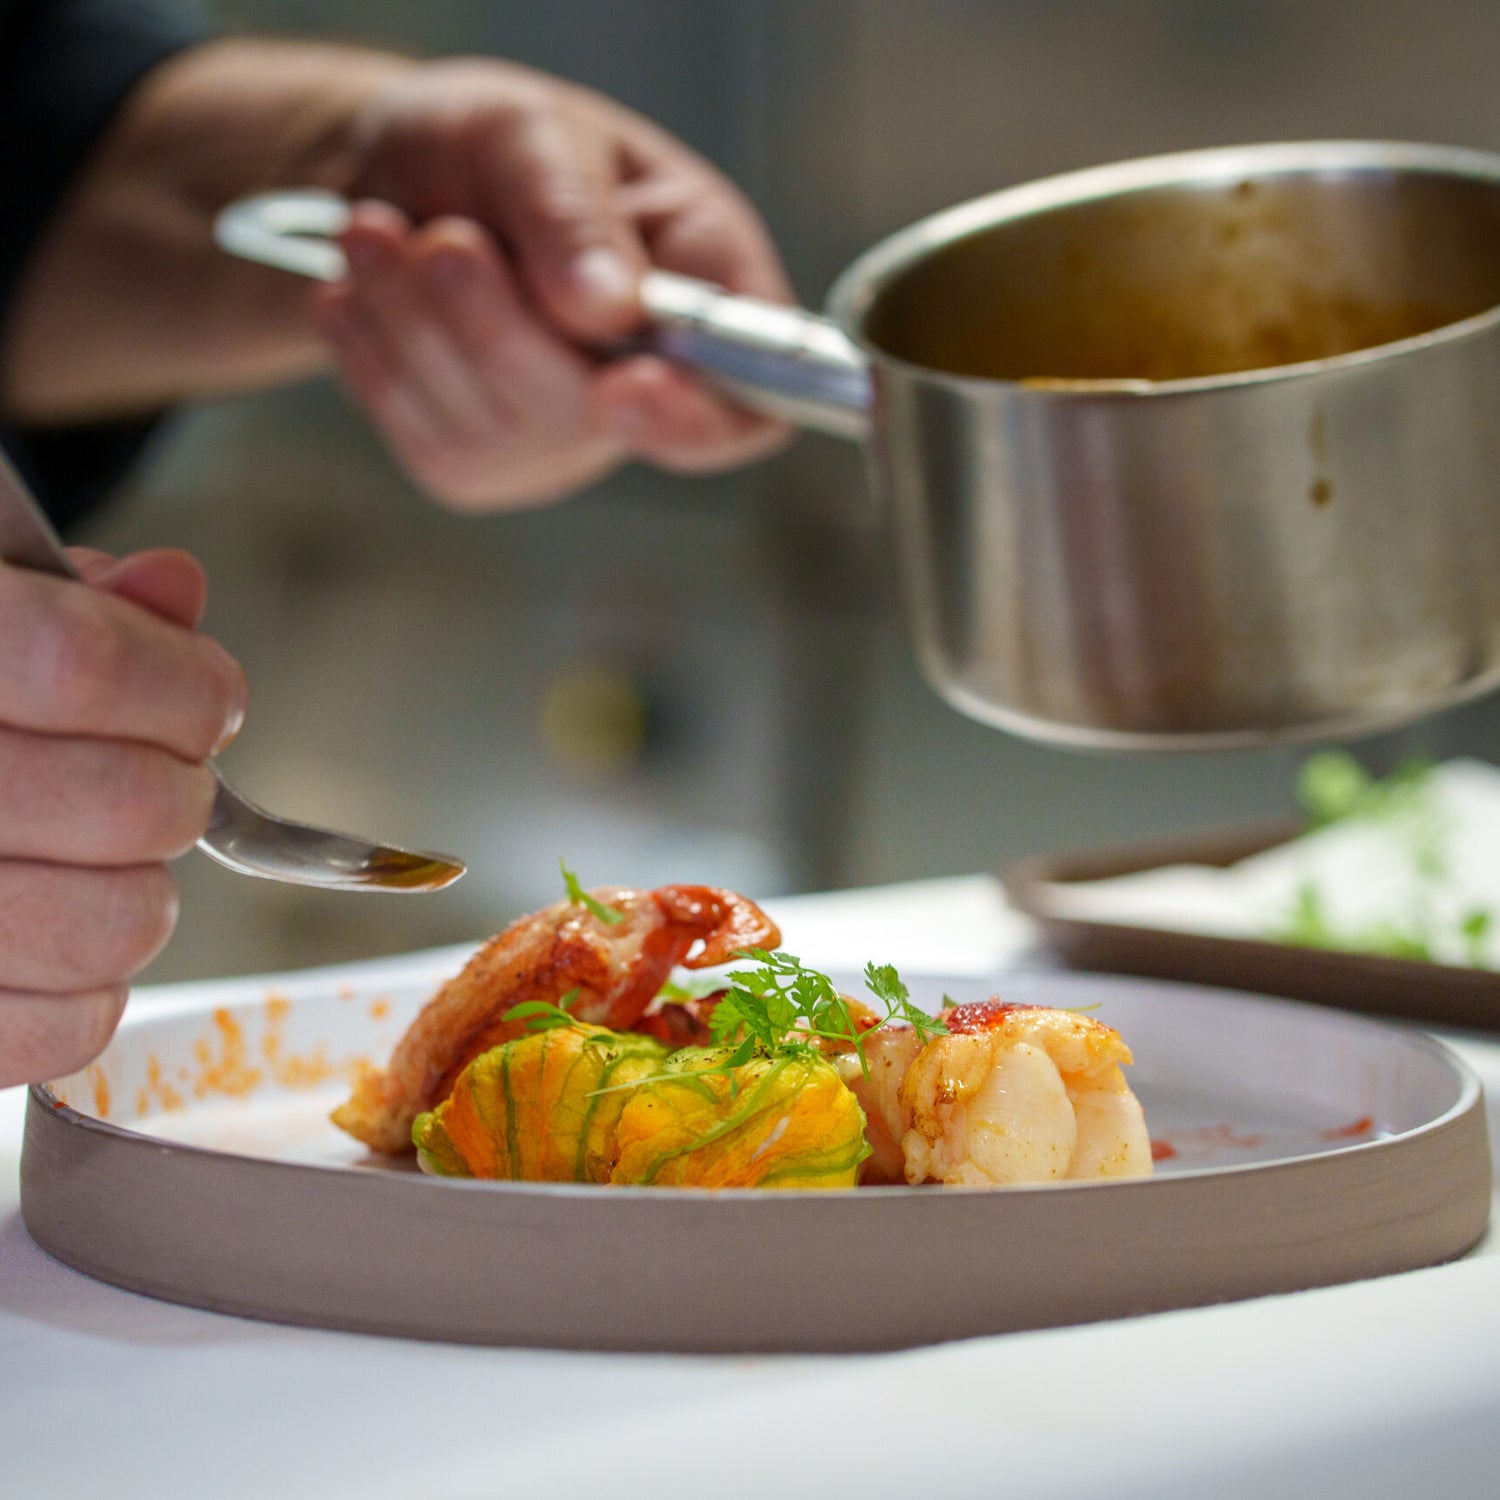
1197,451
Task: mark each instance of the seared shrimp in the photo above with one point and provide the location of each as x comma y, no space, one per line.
889,1053
1012,1094
616,967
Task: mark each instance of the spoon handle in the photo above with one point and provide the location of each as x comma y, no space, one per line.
26,535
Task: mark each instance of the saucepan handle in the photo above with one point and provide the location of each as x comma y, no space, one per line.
779,360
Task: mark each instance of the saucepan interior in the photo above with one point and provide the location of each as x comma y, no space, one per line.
1199,277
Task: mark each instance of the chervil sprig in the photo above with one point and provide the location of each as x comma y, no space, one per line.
885,984
782,1006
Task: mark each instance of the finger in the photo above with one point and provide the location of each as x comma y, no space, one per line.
537,386
90,561
664,415
98,802
548,187
521,367
698,224
82,662
67,928
43,1037
386,298
373,375
168,582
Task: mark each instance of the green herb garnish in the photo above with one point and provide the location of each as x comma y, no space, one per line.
782,1006
544,1015
580,897
886,985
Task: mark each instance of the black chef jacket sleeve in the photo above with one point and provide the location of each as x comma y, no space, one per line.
66,66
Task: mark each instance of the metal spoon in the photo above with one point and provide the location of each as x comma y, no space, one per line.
240,835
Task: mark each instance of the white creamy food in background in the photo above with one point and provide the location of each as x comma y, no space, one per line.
1362,869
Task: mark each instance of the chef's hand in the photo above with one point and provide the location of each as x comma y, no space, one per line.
511,217
109,704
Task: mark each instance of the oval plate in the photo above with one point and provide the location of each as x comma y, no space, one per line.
1298,1147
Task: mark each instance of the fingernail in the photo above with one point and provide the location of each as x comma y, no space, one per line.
232,729
240,701
604,277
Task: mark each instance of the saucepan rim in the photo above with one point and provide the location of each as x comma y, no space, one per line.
860,285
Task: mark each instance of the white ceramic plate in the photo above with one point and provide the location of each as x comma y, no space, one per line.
1298,1147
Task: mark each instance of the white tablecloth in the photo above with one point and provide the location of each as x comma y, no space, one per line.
1384,1388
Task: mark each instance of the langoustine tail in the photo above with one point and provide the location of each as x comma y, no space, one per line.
615,965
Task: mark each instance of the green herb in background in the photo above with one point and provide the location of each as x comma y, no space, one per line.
1333,787
1475,928
1307,925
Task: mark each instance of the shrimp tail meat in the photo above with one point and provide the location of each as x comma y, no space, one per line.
1010,1094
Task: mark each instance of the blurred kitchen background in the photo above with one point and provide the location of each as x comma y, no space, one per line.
670,679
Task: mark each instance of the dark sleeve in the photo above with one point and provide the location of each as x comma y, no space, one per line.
65,68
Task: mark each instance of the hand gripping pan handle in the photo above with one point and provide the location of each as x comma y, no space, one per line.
782,361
